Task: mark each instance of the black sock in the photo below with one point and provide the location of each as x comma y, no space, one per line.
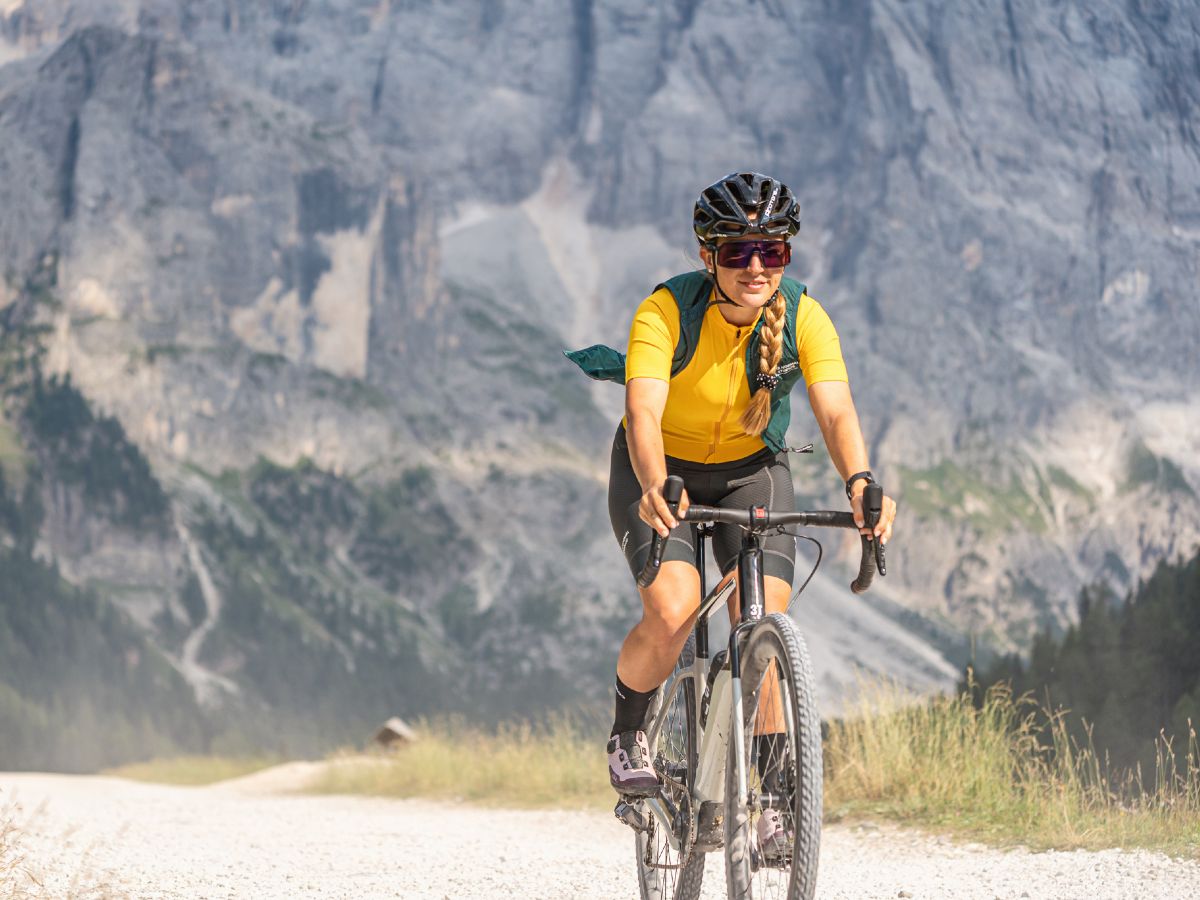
768,753
630,708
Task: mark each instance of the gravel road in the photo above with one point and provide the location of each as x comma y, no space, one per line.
244,839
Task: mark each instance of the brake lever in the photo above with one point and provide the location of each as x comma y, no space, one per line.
672,493
872,506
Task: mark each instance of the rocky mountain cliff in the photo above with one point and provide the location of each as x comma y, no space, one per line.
315,261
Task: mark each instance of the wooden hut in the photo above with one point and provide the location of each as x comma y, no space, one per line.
393,735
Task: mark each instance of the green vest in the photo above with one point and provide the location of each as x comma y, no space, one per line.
691,292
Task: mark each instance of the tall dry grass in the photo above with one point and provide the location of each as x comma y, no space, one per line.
53,873
193,770
555,764
1004,773
13,877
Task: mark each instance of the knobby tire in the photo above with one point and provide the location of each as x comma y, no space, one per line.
794,773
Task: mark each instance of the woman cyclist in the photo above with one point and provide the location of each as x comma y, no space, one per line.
712,356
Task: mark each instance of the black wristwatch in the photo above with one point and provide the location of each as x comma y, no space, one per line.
858,476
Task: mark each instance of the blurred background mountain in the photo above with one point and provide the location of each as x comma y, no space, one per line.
288,444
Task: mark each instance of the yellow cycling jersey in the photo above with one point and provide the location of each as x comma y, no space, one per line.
702,419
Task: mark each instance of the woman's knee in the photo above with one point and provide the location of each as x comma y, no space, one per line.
778,591
669,605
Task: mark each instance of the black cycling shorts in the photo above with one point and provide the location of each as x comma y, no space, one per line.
763,479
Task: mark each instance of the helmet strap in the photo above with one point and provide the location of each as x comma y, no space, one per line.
711,247
725,298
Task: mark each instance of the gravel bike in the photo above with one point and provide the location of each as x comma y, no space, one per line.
735,737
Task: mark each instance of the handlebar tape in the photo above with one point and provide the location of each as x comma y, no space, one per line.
872,550
866,567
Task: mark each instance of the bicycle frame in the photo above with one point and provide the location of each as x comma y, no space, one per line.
712,729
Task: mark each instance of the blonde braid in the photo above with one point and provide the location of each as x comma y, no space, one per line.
770,351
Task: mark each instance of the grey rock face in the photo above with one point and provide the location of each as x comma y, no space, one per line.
359,232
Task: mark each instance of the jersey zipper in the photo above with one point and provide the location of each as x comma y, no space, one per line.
730,394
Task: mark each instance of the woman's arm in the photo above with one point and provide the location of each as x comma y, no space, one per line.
833,407
645,400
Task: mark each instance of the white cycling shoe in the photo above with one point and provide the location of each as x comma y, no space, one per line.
773,839
630,769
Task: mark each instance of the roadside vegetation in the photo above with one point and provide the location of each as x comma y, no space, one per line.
1002,769
12,872
994,768
555,764
21,878
193,770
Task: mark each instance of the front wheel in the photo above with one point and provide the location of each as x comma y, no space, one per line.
663,872
772,841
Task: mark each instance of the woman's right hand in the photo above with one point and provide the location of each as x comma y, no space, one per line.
654,511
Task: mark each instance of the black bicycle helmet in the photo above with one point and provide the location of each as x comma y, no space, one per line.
723,209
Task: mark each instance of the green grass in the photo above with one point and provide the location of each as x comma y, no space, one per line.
13,457
1147,469
1061,478
997,775
193,770
170,352
552,765
949,491
353,393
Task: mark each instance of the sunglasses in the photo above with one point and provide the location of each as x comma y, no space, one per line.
737,254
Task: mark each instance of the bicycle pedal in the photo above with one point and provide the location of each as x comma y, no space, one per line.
633,814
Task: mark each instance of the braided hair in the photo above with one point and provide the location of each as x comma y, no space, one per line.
770,351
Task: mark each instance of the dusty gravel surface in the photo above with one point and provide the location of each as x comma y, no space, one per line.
244,839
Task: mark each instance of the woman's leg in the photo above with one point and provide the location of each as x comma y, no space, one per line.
669,609
669,606
646,659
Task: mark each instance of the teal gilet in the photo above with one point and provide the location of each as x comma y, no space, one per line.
691,291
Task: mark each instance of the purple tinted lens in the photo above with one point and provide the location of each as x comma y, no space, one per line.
737,254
